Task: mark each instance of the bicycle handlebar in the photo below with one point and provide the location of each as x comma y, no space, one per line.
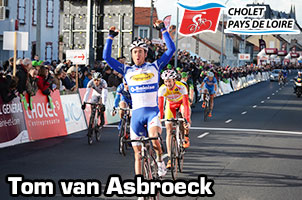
143,139
174,120
94,104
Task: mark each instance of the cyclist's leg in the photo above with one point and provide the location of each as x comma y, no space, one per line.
137,130
186,143
169,114
154,128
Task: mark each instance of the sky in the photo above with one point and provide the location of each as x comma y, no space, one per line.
166,7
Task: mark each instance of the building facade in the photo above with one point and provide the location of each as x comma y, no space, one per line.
22,16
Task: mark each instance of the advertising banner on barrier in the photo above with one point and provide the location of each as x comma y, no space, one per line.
42,121
74,116
12,124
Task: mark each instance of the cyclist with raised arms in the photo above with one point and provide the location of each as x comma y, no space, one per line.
98,87
210,83
176,95
143,81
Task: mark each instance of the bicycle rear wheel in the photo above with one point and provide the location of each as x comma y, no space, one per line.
174,157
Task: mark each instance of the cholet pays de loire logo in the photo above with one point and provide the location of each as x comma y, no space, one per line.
197,19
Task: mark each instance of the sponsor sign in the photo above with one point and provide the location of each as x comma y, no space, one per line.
42,121
73,113
12,123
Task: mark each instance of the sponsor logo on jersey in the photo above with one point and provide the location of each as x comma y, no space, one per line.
144,88
142,77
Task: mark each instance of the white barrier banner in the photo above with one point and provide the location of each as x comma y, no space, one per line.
74,116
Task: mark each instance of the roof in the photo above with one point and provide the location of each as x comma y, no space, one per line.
143,14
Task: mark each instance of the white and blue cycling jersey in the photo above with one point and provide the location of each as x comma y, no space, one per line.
210,85
143,82
122,95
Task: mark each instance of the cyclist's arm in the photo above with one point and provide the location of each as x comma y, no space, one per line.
104,93
185,102
114,64
87,94
166,57
117,100
161,100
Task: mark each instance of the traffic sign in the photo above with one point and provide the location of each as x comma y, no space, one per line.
244,56
77,56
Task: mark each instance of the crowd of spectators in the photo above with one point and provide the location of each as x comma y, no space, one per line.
32,75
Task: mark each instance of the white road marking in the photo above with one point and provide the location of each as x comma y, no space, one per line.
255,106
262,101
228,121
244,113
203,135
111,126
233,129
246,130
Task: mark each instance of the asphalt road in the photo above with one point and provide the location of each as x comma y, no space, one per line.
251,148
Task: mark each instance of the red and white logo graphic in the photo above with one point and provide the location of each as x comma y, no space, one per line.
199,19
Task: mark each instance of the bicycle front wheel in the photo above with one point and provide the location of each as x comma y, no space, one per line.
121,138
91,127
206,112
174,157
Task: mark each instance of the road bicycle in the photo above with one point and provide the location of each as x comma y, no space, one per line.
207,108
177,149
124,132
94,128
149,165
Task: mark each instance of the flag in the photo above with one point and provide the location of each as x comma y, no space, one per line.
199,19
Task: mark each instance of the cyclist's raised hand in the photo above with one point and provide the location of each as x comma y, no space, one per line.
113,31
159,25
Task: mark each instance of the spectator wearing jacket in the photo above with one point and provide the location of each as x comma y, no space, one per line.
43,82
32,82
22,74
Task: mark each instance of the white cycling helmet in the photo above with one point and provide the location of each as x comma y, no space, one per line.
169,74
210,74
97,76
138,43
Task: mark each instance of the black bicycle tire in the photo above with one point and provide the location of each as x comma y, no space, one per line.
174,158
91,127
206,112
121,136
181,148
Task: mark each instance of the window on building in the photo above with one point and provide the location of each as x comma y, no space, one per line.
48,51
50,13
143,32
4,3
21,11
34,14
